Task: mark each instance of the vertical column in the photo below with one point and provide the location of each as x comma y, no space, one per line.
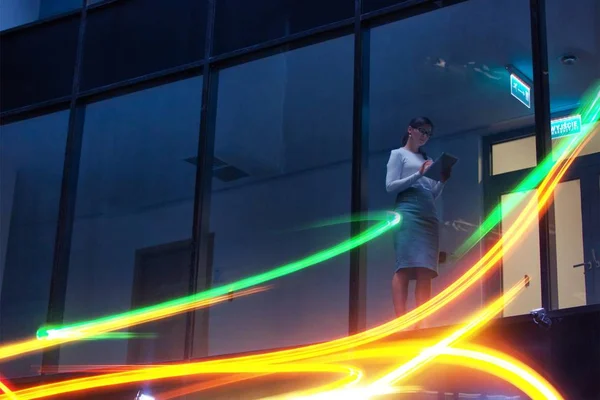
66,209
200,266
541,92
360,158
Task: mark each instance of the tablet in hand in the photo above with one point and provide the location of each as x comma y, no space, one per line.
444,162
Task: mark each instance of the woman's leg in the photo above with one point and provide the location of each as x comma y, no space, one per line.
400,291
423,286
422,290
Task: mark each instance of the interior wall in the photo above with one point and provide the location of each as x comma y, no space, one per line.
267,230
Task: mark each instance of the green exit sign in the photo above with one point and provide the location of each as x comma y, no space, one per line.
520,90
566,126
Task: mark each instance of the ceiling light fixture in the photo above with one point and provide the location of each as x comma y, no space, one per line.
568,59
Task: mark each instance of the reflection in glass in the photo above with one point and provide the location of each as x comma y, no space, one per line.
30,183
574,66
241,23
19,12
282,162
37,63
134,217
454,73
129,39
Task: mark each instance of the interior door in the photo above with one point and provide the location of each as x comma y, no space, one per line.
591,200
576,225
162,273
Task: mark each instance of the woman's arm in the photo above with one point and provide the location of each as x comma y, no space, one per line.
436,188
393,180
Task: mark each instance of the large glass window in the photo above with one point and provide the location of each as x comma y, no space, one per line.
133,218
455,73
31,164
374,5
128,39
241,23
574,66
18,12
573,60
283,151
37,63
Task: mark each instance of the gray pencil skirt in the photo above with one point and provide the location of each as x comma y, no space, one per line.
416,240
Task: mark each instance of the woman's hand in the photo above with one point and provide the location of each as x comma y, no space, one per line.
425,166
446,175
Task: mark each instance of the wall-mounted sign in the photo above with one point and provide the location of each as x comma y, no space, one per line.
520,90
566,126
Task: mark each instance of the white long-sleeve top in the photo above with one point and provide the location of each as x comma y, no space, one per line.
403,173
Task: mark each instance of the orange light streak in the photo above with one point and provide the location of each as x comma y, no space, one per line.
281,361
14,349
7,392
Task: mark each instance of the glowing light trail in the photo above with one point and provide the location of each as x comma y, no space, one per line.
386,221
264,362
57,337
287,356
590,112
8,394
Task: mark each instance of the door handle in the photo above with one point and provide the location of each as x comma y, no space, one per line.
594,259
584,264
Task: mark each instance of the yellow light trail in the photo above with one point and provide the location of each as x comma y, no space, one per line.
285,361
26,346
480,358
287,356
7,392
384,384
475,324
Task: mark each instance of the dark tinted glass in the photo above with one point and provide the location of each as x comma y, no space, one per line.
19,12
574,68
283,148
37,63
133,218
31,167
241,23
454,73
373,5
128,39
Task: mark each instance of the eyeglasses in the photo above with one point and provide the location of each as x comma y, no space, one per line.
425,131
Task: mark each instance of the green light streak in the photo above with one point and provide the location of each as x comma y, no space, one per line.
590,112
386,222
122,335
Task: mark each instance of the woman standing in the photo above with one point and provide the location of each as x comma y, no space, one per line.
416,241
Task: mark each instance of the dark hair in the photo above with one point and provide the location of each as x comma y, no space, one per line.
417,123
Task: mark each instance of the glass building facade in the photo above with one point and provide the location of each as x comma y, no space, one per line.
153,149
